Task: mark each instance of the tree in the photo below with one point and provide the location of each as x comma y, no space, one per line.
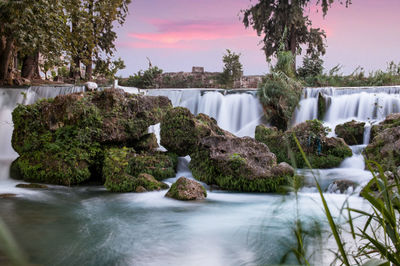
232,69
29,27
271,18
92,35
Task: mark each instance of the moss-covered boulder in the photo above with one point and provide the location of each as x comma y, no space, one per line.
186,189
391,121
241,164
352,132
385,146
181,131
146,143
62,140
126,171
321,151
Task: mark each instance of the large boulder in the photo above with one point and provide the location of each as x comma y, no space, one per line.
240,164
321,151
62,140
220,158
391,121
186,189
352,132
181,131
385,145
126,171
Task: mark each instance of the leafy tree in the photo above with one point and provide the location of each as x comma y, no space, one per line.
92,35
312,66
232,69
30,27
271,18
145,79
108,68
280,92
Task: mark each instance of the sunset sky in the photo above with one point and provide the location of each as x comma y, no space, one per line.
179,34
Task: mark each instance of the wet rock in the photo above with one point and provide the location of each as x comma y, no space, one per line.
391,121
218,157
186,189
126,171
385,146
352,132
321,151
62,140
32,185
321,106
342,186
7,195
240,164
181,131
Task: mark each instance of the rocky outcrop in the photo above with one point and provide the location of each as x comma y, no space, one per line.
352,132
62,140
321,151
186,189
241,164
220,158
391,121
181,131
385,145
126,171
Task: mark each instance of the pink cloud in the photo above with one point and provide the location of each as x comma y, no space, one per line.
170,32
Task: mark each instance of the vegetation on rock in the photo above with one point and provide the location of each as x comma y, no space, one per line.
62,140
186,189
385,145
352,132
321,151
123,173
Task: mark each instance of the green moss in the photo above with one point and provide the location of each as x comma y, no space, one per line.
203,169
312,137
158,164
119,175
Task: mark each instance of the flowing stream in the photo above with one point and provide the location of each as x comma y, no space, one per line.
90,226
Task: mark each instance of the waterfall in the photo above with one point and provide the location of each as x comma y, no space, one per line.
370,105
238,112
11,97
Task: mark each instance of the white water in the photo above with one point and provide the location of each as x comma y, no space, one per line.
237,112
87,225
369,105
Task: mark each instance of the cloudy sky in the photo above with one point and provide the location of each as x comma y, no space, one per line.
179,34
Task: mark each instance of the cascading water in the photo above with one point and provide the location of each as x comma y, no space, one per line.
369,105
88,225
238,112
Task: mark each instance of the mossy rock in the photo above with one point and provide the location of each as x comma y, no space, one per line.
321,151
186,189
392,120
239,164
352,132
32,185
126,171
161,165
15,171
146,143
181,131
62,140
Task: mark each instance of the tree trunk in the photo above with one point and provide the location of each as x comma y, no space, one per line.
76,68
293,46
29,66
89,70
5,58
